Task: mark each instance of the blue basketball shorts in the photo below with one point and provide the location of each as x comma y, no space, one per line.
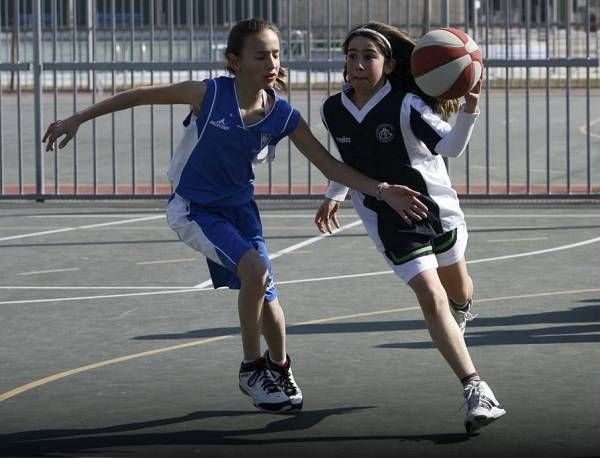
223,235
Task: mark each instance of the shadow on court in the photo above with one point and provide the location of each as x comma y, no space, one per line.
474,336
49,442
575,333
96,361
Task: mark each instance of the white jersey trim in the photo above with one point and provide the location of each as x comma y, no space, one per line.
187,144
360,115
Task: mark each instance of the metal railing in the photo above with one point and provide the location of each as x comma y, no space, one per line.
538,134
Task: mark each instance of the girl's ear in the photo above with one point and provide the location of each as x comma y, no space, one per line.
389,66
233,62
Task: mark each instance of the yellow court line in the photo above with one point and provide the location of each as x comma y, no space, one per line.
61,375
52,378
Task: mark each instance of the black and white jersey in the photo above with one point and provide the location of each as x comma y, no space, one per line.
395,137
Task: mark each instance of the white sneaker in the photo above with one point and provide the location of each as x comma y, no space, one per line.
285,380
257,382
482,406
462,314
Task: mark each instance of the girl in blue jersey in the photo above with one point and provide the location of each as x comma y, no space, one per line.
234,123
387,128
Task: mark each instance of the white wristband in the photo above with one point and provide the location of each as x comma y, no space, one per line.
379,190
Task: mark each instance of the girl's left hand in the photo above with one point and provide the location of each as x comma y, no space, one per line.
327,214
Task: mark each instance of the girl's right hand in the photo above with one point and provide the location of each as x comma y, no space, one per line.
326,214
472,97
404,201
67,127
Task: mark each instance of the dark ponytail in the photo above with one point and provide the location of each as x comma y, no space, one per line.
401,77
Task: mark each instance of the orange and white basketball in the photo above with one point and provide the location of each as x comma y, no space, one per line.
446,63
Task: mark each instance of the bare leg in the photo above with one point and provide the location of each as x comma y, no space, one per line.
457,282
273,328
441,325
252,272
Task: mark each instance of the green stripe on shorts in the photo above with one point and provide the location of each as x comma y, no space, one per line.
445,242
410,256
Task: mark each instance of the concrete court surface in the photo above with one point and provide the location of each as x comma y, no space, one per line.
107,350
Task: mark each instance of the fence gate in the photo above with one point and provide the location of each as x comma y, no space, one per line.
538,134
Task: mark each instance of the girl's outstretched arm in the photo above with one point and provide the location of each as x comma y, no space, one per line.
402,199
187,92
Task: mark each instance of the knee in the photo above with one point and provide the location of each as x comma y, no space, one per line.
433,302
252,271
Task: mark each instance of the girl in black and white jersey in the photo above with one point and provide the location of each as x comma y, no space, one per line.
387,128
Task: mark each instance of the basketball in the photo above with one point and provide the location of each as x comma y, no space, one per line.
446,63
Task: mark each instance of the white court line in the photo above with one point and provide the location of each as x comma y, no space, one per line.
583,128
75,228
306,280
108,296
79,215
531,239
533,253
295,247
94,287
349,214
71,269
61,375
166,261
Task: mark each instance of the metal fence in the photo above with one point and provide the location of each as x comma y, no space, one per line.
538,134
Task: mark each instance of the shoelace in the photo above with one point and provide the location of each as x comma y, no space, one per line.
474,398
470,317
471,396
285,380
266,380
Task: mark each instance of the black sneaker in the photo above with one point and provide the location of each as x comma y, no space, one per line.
257,382
285,380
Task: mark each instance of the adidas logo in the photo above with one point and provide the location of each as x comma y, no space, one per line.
220,124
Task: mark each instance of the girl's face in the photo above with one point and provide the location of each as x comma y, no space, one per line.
258,64
366,66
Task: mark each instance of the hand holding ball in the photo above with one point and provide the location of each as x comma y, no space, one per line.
446,63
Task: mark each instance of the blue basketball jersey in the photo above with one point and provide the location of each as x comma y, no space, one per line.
213,163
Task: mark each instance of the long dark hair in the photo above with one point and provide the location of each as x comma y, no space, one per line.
237,39
401,77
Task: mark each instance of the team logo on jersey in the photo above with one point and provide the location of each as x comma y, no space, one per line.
385,133
220,124
343,139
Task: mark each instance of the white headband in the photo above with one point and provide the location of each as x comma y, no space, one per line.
373,33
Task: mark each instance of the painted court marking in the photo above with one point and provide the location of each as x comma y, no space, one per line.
530,239
75,228
205,286
583,128
61,375
70,269
166,261
295,247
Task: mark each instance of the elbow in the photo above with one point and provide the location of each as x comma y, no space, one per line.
455,154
